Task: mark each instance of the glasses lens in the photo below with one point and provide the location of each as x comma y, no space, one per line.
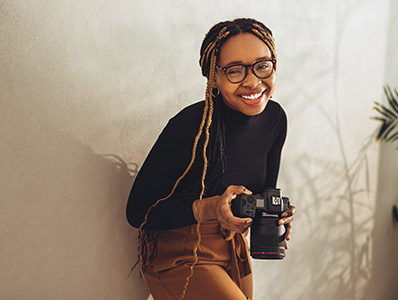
235,73
263,69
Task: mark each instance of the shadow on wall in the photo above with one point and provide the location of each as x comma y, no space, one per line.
64,233
336,200
338,209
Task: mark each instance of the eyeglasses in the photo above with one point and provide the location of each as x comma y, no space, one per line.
237,73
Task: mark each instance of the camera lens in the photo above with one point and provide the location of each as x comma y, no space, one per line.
267,238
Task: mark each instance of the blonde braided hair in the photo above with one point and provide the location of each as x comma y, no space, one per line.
212,51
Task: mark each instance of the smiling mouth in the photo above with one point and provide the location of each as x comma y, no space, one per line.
253,96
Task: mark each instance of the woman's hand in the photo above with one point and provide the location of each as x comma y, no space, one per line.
287,218
219,208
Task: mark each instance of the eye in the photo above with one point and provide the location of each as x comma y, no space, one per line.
263,65
235,70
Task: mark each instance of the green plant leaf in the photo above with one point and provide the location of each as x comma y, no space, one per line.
384,110
390,97
388,116
393,137
389,127
378,119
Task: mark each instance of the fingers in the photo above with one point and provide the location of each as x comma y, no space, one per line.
289,212
229,221
288,226
287,219
239,225
287,216
226,217
233,190
289,229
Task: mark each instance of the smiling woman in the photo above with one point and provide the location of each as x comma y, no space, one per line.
190,242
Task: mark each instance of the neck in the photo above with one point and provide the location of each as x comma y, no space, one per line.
233,117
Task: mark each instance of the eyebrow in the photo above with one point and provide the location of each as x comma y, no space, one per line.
239,62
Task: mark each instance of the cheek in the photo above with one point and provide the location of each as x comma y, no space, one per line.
228,91
270,82
225,86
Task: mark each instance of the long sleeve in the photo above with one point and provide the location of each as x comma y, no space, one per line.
165,163
253,146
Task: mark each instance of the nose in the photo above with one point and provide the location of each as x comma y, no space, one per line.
251,80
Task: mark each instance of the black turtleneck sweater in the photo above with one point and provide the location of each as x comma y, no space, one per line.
253,146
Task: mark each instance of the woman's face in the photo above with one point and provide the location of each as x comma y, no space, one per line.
250,96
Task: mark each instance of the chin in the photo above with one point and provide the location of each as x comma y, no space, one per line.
256,110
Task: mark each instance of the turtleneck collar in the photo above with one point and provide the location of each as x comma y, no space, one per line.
234,118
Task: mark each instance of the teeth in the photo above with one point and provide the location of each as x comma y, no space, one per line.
252,97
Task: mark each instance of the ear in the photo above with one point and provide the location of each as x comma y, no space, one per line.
214,85
216,79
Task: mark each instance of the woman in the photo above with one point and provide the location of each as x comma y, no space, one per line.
191,245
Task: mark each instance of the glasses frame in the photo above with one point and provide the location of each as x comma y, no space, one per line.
246,67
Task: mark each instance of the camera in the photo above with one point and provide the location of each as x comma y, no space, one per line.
267,238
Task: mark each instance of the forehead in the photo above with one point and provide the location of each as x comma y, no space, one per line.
243,48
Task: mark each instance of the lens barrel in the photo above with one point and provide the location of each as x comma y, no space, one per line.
267,238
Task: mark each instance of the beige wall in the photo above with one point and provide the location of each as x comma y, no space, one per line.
86,87
384,280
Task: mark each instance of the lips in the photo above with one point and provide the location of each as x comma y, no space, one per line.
253,98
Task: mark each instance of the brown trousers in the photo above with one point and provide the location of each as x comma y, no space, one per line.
223,271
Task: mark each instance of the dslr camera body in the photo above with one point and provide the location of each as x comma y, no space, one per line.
267,238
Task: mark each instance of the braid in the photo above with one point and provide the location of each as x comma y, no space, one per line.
211,50
267,39
215,165
147,238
